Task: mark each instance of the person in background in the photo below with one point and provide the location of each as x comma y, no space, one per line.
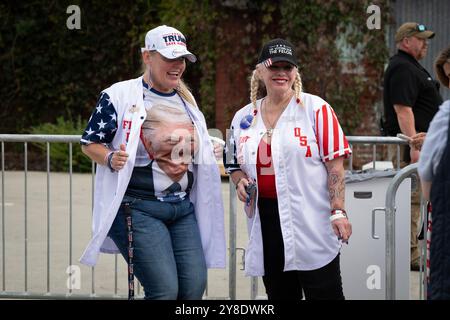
434,171
411,99
290,147
151,203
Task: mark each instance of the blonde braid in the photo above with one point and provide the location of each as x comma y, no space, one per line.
185,93
298,87
254,86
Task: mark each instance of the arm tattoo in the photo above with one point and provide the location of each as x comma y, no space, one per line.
336,185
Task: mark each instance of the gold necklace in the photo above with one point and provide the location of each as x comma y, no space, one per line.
269,131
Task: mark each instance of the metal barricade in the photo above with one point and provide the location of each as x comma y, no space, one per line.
232,243
390,210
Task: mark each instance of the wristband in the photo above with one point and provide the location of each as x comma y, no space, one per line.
336,211
337,216
108,161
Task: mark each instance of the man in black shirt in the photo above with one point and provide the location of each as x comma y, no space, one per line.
411,99
411,96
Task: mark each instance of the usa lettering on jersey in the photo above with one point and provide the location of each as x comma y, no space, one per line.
303,141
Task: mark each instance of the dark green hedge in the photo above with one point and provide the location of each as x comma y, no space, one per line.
48,71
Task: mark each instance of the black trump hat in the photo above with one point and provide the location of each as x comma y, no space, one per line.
277,50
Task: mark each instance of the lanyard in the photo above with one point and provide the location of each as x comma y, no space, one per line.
128,220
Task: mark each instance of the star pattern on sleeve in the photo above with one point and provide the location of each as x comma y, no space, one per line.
89,131
102,124
101,135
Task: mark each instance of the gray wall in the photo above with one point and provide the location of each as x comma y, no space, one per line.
435,14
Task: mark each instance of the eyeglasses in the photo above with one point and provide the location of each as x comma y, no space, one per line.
287,68
421,27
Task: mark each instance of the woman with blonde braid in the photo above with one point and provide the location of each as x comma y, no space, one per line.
290,146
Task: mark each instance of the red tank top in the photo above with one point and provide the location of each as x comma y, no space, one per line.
265,171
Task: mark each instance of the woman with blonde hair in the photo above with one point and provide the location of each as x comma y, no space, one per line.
290,147
149,206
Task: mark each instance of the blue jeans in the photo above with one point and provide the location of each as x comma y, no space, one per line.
168,256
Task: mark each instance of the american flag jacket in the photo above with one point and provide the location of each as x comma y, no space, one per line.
110,187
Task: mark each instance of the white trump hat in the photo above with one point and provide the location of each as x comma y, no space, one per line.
169,42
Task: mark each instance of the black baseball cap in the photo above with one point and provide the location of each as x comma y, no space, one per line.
278,50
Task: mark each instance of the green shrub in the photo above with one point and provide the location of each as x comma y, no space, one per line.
59,152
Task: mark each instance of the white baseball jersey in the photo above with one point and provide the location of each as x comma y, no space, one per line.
304,138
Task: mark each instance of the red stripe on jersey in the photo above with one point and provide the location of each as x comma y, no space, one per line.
344,138
317,129
325,131
346,146
335,132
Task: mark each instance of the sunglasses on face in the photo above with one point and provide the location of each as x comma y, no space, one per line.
287,68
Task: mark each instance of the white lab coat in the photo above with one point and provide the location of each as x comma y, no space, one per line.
301,182
110,187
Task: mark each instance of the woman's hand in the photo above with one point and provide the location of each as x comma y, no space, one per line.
218,150
342,228
242,183
119,158
218,145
